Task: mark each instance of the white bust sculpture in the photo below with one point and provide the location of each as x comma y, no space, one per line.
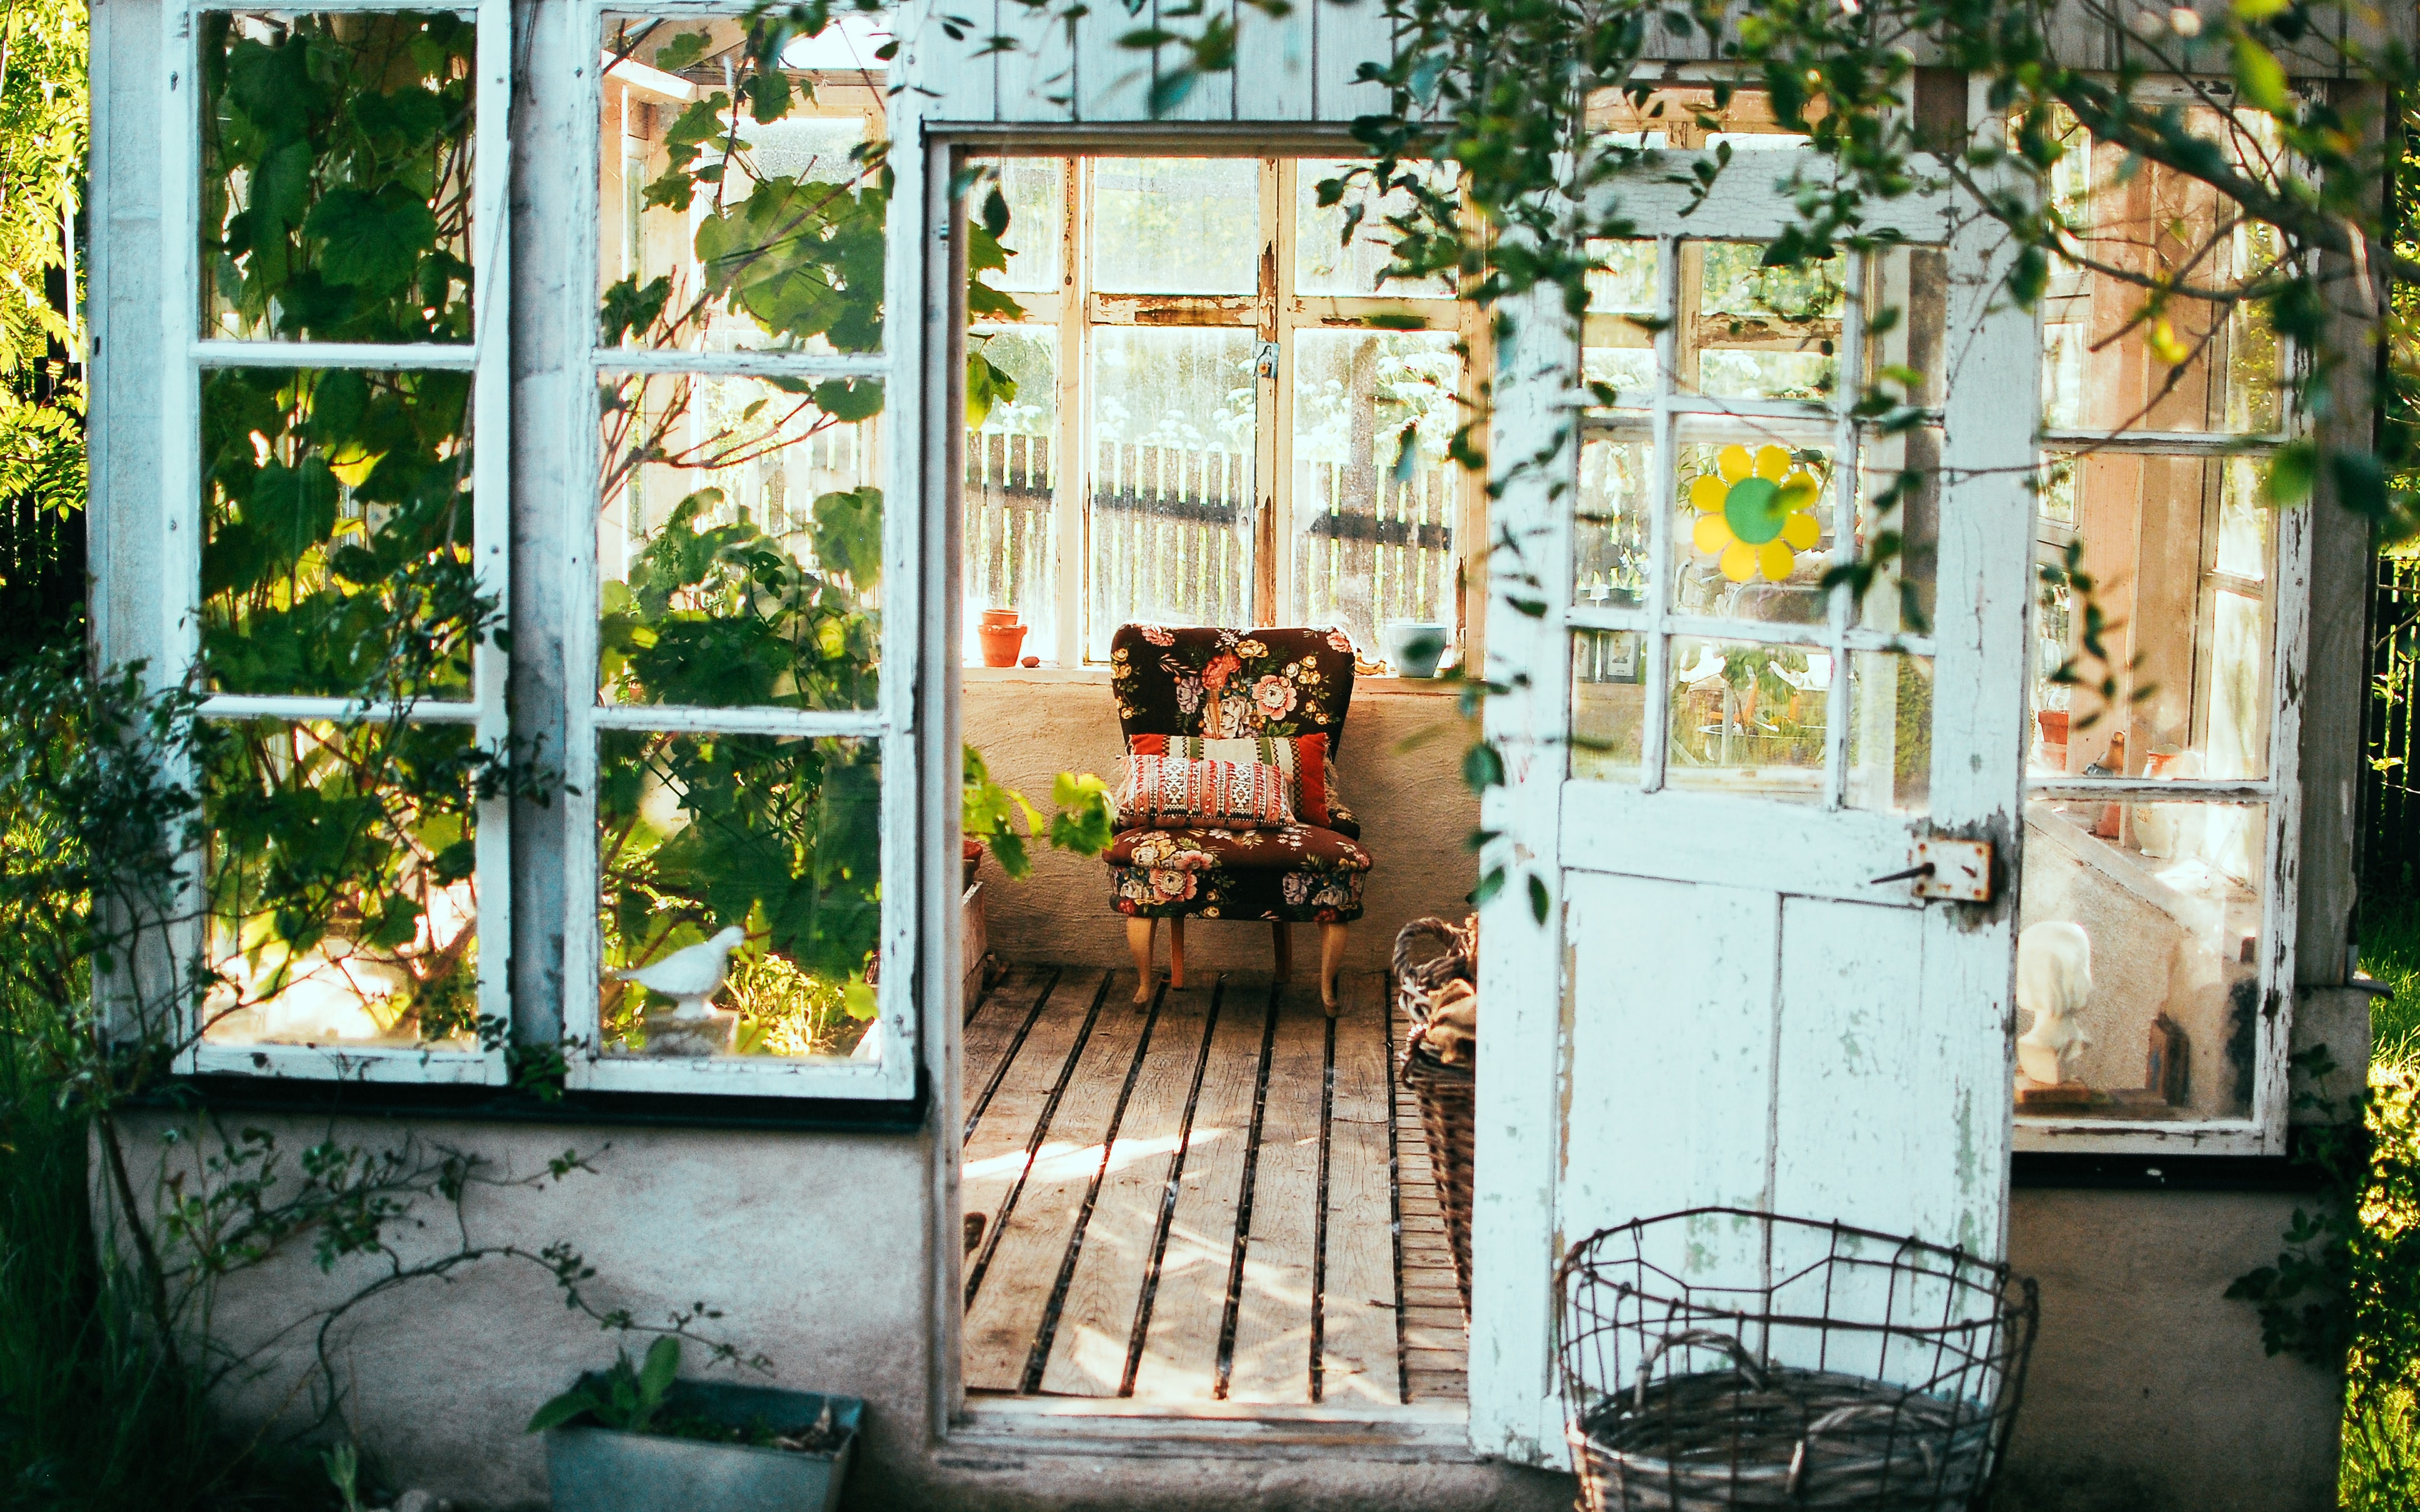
2054,977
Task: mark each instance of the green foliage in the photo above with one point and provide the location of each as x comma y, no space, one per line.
336,176
625,1398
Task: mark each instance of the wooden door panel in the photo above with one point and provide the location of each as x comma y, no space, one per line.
1671,1017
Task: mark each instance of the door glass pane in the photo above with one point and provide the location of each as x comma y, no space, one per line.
1375,498
2138,959
778,840
1615,350
335,176
1170,507
1176,225
1748,332
1753,536
373,826
1036,189
1608,705
2179,548
2111,359
1748,720
336,548
723,228
1907,310
1610,531
1890,732
739,543
1899,521
1011,532
1324,265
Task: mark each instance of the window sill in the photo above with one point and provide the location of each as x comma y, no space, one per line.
409,1102
1378,686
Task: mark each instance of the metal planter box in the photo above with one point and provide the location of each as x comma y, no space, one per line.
595,1469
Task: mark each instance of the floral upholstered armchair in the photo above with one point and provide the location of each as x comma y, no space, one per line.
1272,696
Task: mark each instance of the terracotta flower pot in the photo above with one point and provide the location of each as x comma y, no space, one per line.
997,617
1000,642
2053,723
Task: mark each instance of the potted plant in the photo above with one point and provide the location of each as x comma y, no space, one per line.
638,1439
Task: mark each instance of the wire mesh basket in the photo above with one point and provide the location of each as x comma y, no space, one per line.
1725,1358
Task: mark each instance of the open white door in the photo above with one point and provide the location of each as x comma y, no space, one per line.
1711,760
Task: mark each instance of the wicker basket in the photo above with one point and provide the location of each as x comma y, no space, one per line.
1721,1358
1448,1094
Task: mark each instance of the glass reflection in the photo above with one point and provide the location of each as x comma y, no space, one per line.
2138,972
1748,720
763,847
1375,501
739,543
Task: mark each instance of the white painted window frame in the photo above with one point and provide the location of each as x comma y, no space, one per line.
1074,312
189,355
894,719
2263,1131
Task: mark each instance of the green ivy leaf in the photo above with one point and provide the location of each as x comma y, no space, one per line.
2260,76
371,240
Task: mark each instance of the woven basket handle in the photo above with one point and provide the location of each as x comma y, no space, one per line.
1840,1418
1746,1362
1449,935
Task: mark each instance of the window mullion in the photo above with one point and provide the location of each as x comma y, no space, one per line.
492,400
1274,590
1073,485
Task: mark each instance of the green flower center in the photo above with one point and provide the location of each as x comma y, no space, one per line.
1755,510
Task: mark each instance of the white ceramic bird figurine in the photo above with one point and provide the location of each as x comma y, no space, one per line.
2053,979
693,974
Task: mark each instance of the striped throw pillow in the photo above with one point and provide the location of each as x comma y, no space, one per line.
1308,778
1171,793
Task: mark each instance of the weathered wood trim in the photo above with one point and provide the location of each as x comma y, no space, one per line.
1515,1410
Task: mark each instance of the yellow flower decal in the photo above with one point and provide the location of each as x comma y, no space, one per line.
1755,513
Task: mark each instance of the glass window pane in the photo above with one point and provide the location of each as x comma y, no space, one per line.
777,839
724,228
1753,537
1173,428
1615,351
1608,705
2116,355
1011,532
739,543
1748,720
342,905
1907,310
336,553
1176,225
335,176
2179,549
1610,531
1323,265
1036,189
2138,951
1890,732
1376,499
1748,332
1899,519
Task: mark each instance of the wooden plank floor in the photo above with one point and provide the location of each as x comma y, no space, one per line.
1222,1196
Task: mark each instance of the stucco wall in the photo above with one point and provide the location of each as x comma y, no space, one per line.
1399,766
2148,1391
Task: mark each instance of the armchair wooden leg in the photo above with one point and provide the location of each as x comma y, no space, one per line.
1331,956
1138,934
1176,952
1285,950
